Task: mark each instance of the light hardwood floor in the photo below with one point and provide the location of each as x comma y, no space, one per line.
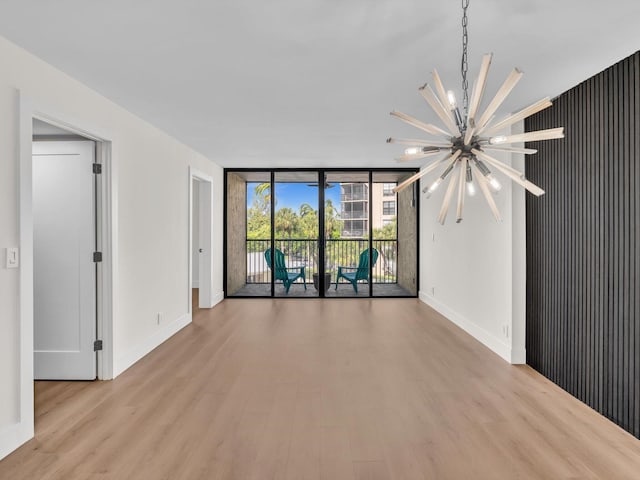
320,389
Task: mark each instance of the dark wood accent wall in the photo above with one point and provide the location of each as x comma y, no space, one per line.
583,252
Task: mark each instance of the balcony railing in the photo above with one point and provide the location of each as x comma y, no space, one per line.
361,215
354,197
338,252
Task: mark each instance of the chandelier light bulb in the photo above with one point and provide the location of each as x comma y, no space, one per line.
495,184
412,151
471,189
452,99
497,140
434,186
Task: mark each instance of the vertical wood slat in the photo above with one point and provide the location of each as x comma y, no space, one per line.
583,258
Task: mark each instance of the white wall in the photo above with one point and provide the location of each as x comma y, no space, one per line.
473,272
195,239
151,178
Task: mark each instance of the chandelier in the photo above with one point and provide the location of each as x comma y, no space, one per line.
468,138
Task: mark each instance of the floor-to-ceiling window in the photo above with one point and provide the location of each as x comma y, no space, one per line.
320,233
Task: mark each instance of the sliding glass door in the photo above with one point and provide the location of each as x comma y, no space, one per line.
320,233
296,234
346,240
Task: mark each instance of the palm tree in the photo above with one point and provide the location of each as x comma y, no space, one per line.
263,194
309,230
306,209
286,220
331,220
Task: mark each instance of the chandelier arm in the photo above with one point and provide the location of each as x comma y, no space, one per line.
422,173
526,151
478,88
510,172
425,127
442,94
408,158
461,181
538,135
439,109
521,115
520,180
447,198
508,85
418,142
489,159
484,188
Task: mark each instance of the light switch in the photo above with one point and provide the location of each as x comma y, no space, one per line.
13,258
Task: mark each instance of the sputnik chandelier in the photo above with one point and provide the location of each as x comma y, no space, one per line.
467,138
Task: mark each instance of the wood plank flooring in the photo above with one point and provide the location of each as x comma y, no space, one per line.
320,389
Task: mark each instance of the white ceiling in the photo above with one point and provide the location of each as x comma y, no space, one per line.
309,82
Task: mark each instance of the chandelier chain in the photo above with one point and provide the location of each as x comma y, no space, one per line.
464,64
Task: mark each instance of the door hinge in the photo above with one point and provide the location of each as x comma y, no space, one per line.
97,257
97,168
97,345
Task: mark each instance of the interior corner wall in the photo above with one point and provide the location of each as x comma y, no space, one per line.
583,245
236,233
407,226
467,269
151,192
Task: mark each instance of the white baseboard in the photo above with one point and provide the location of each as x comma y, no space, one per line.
518,356
195,284
486,338
217,298
13,436
163,334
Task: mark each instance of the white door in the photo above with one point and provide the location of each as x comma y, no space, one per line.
64,272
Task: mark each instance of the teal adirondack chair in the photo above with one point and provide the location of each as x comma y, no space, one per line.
281,271
361,272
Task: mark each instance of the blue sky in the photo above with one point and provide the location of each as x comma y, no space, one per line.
293,195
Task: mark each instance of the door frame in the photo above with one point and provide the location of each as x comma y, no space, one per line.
205,204
106,220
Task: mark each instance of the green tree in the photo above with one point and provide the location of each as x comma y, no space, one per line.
263,194
287,223
332,222
258,222
308,224
258,215
387,232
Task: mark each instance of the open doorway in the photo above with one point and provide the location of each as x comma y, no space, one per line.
66,211
40,125
200,240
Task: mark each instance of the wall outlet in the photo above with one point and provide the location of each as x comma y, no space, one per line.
433,237
159,317
505,330
433,291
